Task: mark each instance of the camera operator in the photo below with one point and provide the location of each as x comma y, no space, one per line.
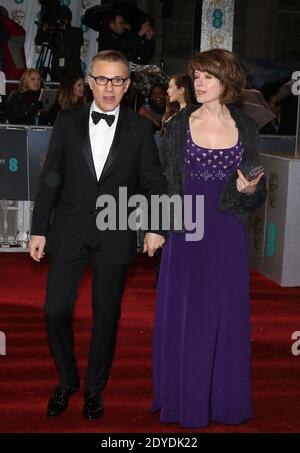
138,47
65,42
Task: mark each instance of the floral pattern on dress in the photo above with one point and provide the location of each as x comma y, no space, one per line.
211,164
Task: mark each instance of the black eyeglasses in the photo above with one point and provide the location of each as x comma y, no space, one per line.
115,81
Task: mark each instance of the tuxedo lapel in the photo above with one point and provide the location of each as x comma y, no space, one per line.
122,130
83,128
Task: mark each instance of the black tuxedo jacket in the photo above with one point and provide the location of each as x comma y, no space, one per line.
68,182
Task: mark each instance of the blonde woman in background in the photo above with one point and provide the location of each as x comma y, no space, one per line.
23,105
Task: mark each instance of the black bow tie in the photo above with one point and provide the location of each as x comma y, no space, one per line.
97,116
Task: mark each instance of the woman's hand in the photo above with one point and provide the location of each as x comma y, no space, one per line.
144,112
245,186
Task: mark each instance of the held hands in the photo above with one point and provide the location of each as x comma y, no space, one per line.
245,186
152,242
37,247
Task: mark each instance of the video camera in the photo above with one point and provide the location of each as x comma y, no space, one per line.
54,20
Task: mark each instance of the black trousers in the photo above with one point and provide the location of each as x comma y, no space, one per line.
108,284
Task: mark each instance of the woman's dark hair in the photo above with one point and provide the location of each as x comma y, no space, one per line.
184,81
223,65
181,81
65,96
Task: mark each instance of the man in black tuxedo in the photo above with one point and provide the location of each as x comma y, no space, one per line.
94,150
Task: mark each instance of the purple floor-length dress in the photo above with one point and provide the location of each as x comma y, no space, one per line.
202,328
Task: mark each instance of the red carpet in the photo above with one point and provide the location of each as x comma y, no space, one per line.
27,376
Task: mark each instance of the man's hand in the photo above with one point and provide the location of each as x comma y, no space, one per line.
245,186
145,28
36,247
152,242
150,33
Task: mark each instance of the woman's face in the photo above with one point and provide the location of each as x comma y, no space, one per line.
207,87
175,93
34,82
158,96
78,88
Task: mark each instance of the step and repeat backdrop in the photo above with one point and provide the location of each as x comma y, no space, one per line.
23,153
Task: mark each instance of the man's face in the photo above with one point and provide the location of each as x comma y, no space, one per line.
118,25
108,97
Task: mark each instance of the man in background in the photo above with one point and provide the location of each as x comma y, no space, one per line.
138,47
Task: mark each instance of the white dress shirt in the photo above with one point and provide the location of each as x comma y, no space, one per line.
101,137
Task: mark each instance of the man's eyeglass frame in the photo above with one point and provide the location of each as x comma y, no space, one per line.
120,81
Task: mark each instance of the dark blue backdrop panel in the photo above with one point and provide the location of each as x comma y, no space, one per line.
13,164
38,142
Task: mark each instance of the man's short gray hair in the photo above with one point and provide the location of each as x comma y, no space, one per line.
109,55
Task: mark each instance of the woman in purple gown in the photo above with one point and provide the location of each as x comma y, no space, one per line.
202,328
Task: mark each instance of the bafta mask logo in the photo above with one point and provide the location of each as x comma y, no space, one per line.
85,48
273,189
42,159
85,4
18,15
218,3
37,49
216,41
258,233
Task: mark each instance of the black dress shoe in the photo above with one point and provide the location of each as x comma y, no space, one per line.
93,407
59,402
